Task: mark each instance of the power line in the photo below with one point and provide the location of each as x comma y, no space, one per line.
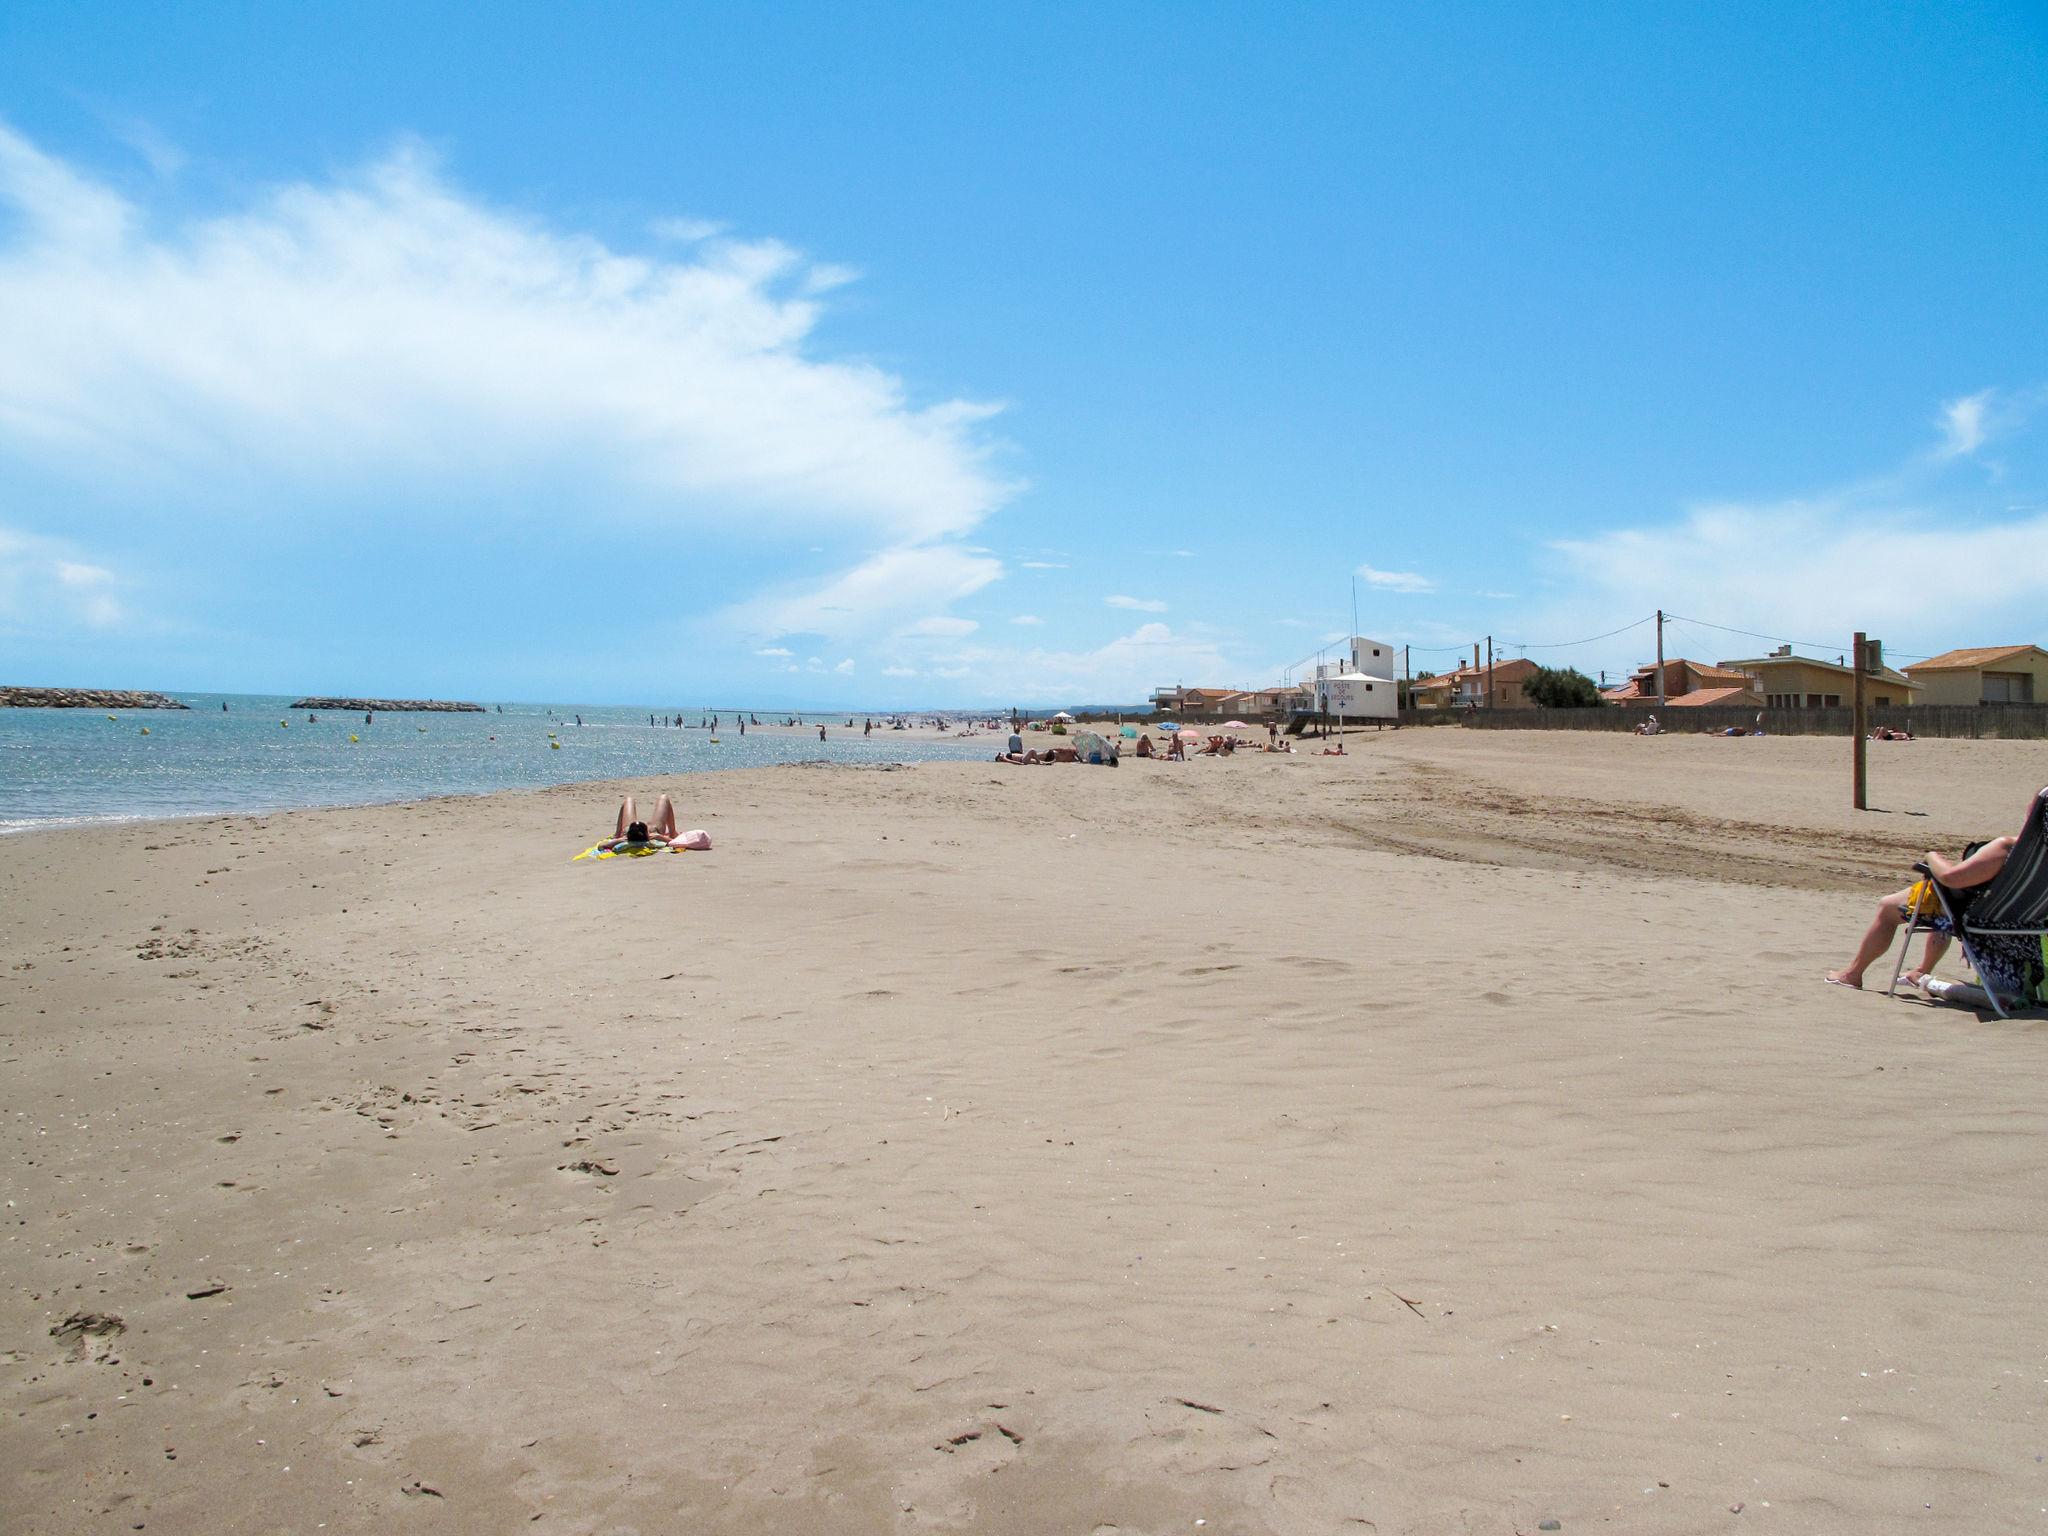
1559,645
1811,645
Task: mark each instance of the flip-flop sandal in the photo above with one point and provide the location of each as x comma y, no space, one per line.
1836,981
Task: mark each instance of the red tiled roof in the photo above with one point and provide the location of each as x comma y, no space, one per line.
1970,658
1703,696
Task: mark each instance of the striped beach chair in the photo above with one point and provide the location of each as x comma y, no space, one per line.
2000,924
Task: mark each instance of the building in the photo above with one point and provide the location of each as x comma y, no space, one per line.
1266,703
1689,684
1800,682
1466,687
1988,674
1195,703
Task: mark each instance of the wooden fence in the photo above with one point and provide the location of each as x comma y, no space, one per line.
2009,722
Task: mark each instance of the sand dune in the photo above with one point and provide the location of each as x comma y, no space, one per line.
1452,1137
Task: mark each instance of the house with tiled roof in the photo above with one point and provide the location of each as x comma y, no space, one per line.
1687,684
1983,674
1805,682
1466,688
1194,703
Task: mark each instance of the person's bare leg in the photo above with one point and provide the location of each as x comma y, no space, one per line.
1937,946
628,814
664,824
1877,938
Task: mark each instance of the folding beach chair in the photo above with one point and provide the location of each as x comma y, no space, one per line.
2000,924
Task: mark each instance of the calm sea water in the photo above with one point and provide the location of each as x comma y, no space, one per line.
60,766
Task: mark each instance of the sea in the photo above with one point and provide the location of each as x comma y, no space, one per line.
67,767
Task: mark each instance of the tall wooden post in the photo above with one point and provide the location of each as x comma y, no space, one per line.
1858,774
1489,672
1661,704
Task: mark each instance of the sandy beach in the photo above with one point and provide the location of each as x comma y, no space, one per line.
1454,1136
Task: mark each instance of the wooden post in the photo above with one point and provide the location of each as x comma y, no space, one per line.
1662,705
1489,672
1858,773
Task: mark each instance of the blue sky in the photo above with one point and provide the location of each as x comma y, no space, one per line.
827,354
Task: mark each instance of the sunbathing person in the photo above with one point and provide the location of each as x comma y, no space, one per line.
631,831
1975,869
1144,748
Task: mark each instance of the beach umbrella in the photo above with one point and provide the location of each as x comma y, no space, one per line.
1235,725
1168,725
1064,718
1130,732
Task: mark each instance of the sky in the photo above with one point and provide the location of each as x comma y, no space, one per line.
875,356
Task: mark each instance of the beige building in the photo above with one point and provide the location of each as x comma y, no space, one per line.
1800,682
1466,687
1986,674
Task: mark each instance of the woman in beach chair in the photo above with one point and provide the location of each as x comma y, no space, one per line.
1995,899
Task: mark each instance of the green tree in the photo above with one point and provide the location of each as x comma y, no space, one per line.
1562,688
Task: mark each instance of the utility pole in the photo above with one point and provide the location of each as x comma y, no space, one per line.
1407,682
1858,772
1489,672
1661,705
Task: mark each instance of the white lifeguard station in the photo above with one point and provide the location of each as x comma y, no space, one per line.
1360,687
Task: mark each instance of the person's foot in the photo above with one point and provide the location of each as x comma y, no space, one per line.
1843,979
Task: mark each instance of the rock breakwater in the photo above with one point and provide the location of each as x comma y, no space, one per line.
85,698
390,706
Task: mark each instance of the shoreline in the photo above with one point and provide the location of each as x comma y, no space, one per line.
88,823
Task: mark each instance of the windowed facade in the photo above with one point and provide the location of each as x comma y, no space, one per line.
2008,688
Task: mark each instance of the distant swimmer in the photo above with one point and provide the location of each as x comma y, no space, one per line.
366,717
821,733
223,706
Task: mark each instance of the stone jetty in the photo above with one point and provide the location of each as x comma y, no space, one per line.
390,706
84,698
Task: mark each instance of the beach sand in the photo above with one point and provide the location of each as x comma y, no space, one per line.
1452,1137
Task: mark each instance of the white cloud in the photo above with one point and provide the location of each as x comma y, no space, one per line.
899,672
844,666
1395,581
1027,618
388,327
774,650
1924,579
45,590
1125,669
1041,565
1136,604
876,595
687,231
943,626
1964,425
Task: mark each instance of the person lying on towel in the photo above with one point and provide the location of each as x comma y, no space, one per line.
631,833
